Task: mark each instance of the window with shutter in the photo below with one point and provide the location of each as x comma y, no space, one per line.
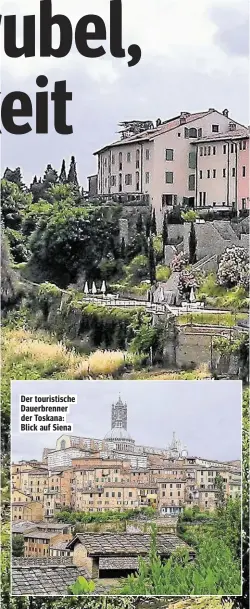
192,160
191,182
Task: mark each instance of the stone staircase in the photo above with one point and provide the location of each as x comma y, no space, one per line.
205,262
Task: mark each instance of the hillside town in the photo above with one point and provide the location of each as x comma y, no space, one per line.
110,475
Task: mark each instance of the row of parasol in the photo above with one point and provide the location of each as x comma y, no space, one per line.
93,289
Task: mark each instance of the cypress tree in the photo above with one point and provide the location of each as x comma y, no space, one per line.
123,249
139,225
63,175
151,261
148,226
72,175
153,224
192,245
165,233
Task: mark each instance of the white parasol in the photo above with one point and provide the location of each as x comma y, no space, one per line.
86,288
94,290
103,288
192,295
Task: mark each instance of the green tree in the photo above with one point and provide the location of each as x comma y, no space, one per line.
50,177
37,189
72,240
151,261
13,202
221,492
10,290
153,224
192,244
15,177
17,545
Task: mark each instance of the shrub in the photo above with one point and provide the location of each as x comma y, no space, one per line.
81,586
18,246
234,268
158,247
189,216
179,262
187,281
162,272
137,269
106,363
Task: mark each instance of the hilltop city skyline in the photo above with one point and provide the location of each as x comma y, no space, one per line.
203,428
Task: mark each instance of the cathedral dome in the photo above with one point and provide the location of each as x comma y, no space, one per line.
118,433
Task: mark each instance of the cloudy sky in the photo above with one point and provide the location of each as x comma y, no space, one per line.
194,56
205,415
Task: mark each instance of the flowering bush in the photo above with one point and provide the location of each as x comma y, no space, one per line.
179,262
187,281
234,268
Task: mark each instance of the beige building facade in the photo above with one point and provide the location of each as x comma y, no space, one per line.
162,163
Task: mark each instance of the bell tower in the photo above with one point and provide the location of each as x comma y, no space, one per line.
119,414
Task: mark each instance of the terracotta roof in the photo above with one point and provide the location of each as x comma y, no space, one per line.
228,135
112,544
44,577
150,134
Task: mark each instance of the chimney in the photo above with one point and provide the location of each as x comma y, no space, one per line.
183,117
225,112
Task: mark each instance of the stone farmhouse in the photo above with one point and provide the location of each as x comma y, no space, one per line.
116,555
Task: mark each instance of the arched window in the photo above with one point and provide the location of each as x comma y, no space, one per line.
192,132
63,445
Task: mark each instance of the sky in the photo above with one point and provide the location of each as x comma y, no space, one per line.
195,55
205,415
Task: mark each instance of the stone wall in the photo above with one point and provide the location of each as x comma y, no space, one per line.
170,252
209,239
128,219
175,232
188,347
244,241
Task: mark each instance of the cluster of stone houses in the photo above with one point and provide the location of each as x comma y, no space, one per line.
199,160
94,484
86,475
89,475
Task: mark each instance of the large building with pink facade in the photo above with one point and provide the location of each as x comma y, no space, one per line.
195,160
